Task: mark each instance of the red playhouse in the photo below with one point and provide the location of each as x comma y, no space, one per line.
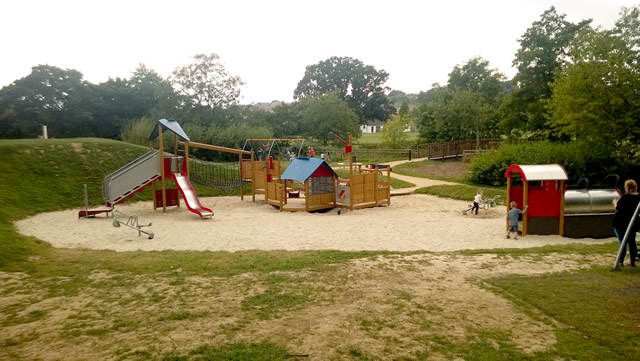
555,210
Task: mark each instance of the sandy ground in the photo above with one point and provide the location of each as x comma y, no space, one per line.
412,222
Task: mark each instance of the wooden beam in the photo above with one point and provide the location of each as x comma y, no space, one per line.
509,183
525,203
164,186
241,177
218,148
186,159
561,220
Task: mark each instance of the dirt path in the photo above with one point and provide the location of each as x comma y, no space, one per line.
418,181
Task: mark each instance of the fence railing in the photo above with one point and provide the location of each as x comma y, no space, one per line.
444,150
441,150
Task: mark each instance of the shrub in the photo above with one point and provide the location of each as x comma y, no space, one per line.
490,168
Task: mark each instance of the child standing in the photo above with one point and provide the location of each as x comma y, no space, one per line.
514,216
476,201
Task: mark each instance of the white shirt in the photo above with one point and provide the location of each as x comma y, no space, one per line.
478,198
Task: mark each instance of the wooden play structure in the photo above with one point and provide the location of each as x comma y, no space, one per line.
366,188
552,209
310,184
262,173
158,166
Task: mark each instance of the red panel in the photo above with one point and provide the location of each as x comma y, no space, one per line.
322,171
516,196
167,168
171,197
543,203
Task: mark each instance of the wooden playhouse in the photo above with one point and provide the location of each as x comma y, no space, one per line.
308,184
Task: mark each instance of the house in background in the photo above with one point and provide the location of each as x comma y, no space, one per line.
374,126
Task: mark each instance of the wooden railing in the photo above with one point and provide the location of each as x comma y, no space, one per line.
445,150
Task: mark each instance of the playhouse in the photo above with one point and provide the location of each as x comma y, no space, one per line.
553,209
308,184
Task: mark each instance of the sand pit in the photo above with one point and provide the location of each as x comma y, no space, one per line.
411,223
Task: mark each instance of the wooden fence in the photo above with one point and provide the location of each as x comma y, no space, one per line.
442,150
445,150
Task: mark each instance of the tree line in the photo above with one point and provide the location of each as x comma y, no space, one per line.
574,82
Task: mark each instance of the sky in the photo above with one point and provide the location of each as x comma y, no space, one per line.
268,44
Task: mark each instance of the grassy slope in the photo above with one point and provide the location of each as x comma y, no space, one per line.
47,175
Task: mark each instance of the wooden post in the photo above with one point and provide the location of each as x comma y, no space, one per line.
525,203
153,192
509,182
389,184
306,194
253,179
350,158
241,177
375,185
175,144
561,220
164,186
186,159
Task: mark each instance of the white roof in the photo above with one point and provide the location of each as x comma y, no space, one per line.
539,172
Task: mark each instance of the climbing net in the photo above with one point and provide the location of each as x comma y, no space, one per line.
223,175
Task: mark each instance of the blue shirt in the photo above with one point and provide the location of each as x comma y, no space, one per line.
514,215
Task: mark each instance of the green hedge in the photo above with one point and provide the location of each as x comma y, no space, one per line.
577,159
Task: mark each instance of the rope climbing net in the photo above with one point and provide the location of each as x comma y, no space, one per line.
222,175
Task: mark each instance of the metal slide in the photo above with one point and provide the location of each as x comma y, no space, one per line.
132,177
190,197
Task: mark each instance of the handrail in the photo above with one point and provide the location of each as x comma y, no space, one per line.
216,148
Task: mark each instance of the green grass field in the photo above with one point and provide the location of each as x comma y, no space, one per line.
376,138
278,305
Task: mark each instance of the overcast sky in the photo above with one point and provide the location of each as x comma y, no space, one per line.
269,43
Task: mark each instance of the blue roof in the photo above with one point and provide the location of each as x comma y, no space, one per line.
302,168
169,124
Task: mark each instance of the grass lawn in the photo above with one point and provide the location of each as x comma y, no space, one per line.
376,138
506,304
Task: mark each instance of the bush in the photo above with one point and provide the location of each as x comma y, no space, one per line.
490,168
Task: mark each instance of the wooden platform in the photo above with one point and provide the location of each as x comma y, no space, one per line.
92,212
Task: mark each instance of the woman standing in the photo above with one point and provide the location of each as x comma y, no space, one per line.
625,208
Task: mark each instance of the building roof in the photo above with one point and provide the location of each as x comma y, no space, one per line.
302,168
538,172
169,124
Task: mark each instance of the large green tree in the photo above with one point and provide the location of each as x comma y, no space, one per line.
543,50
596,97
393,132
58,98
466,107
206,82
324,115
286,120
361,86
121,100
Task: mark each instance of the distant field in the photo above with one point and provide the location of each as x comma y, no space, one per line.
376,138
